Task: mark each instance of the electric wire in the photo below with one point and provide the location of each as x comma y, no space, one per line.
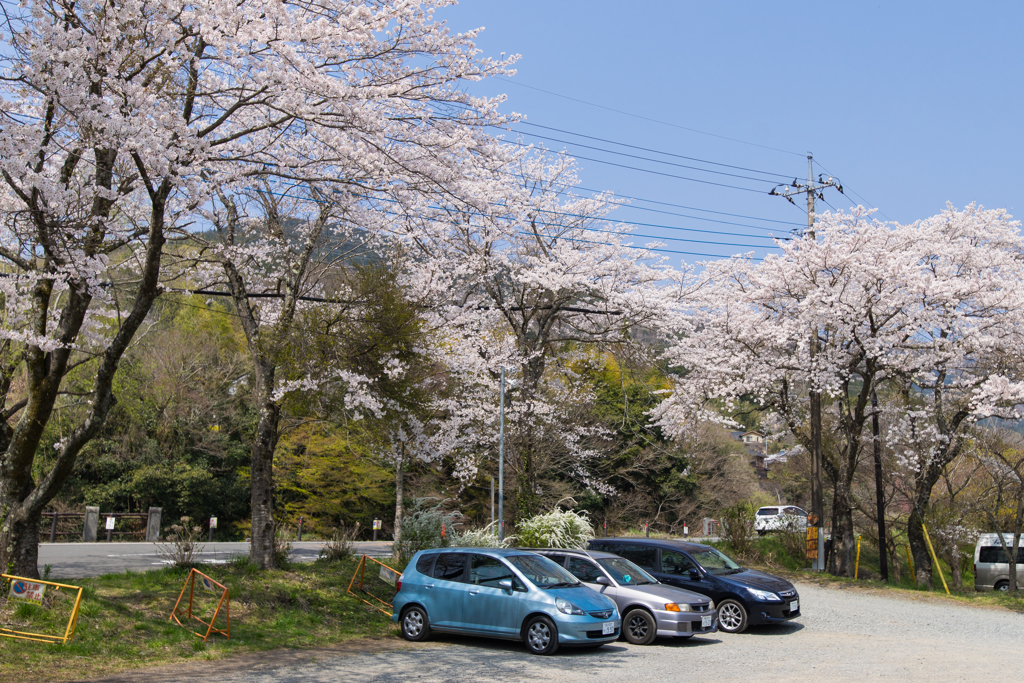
847,187
645,149
647,118
655,161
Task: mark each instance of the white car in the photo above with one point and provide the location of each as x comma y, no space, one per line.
780,518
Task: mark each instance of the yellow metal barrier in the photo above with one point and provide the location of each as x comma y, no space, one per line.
856,566
934,559
910,560
207,584
26,586
385,575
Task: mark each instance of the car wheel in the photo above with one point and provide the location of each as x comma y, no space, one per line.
415,625
1003,586
639,627
732,616
760,532
541,636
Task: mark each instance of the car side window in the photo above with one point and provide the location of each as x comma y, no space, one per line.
450,567
425,563
488,571
602,547
638,555
584,570
676,563
557,559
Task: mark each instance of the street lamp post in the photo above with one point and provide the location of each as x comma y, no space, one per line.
501,460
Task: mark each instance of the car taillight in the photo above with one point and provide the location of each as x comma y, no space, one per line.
398,585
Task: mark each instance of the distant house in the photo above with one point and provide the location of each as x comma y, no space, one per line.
757,446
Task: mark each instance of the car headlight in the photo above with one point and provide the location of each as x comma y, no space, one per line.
676,607
711,605
763,595
566,607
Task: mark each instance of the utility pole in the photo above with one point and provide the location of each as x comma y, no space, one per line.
501,460
813,190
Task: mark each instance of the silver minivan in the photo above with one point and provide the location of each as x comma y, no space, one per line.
991,569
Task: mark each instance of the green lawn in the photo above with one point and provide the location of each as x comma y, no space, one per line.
124,620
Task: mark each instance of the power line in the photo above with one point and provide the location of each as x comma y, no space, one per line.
656,161
847,187
647,118
671,175
666,251
645,149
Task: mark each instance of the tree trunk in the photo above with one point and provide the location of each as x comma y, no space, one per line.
843,537
955,566
19,539
396,552
261,548
919,550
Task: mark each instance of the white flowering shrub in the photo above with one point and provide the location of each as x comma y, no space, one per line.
556,529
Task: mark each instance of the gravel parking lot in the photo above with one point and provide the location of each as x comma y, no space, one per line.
844,634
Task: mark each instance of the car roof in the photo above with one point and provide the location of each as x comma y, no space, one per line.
658,543
501,552
595,554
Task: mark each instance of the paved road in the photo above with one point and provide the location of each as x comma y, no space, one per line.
844,635
77,560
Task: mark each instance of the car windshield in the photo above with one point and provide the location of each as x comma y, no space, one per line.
715,562
625,573
542,572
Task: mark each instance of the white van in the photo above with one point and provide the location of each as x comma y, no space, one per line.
991,568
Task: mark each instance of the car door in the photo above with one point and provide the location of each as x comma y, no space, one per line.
587,571
446,591
645,557
486,606
679,569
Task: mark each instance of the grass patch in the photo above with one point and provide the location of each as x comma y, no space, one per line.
124,622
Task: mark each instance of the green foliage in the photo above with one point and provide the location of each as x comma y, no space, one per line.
555,529
327,475
737,526
426,525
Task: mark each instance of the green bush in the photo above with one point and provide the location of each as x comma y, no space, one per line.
555,529
737,525
424,526
479,538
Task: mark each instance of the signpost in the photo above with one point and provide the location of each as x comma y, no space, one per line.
812,545
213,525
27,591
110,528
376,526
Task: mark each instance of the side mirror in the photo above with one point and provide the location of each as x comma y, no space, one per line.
505,584
602,580
694,574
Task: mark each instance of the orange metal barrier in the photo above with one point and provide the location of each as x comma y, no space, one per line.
385,575
69,632
207,584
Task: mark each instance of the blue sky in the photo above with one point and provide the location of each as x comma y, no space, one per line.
911,105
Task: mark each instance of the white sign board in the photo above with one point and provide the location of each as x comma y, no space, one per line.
27,591
110,523
389,575
213,522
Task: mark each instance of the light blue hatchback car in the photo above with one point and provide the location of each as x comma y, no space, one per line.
501,593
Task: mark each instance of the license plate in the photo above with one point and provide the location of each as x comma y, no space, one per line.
705,622
794,606
608,628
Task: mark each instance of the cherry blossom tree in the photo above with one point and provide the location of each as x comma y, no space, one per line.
121,123
933,305
523,275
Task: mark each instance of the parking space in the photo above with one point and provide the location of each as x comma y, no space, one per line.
844,635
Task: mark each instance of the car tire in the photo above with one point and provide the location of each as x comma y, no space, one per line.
761,532
732,616
540,636
639,627
1002,586
415,624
